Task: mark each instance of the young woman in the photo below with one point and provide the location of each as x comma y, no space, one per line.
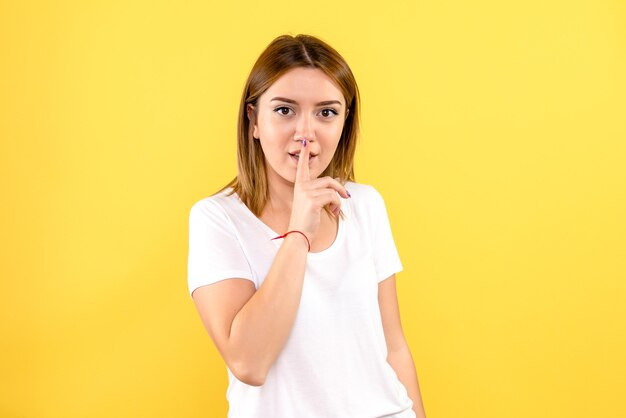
292,265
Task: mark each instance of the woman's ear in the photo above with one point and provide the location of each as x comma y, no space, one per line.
251,112
347,111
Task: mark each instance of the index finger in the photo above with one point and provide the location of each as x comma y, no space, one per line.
302,170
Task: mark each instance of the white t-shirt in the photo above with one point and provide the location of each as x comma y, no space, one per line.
334,361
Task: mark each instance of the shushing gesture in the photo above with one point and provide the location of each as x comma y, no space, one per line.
311,195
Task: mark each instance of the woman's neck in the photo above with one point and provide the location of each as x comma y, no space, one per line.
280,197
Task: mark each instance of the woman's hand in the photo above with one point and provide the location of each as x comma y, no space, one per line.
311,195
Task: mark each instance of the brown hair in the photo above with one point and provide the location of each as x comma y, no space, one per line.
281,55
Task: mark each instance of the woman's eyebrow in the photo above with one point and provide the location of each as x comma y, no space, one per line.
327,102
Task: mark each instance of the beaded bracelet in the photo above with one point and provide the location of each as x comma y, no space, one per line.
287,233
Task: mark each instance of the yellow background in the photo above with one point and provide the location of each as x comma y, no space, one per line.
495,130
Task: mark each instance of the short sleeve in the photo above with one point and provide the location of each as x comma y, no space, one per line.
214,251
386,257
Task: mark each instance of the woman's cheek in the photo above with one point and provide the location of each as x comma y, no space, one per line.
334,131
278,128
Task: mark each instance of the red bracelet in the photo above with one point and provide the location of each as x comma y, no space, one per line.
287,233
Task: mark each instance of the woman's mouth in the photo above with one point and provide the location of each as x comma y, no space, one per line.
296,157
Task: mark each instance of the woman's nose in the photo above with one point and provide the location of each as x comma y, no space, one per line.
305,129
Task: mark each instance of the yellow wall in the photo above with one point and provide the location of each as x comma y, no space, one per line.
495,130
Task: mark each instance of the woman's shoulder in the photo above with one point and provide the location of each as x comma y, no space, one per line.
362,191
365,200
216,203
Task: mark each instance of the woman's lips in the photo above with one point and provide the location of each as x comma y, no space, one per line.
296,157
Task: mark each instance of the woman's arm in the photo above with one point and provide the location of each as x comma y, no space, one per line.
248,327
398,352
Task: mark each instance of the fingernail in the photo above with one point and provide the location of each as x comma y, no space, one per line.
349,195
304,142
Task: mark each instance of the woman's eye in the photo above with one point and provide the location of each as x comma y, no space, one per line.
329,112
282,110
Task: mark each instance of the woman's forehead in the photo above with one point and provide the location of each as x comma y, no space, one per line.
304,86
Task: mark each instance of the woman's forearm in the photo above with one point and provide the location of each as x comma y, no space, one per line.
261,328
402,363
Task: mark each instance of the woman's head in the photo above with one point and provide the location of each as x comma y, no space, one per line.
309,69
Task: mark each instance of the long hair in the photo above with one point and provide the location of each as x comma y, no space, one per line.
281,55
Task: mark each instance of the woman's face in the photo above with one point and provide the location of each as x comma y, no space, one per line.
302,103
